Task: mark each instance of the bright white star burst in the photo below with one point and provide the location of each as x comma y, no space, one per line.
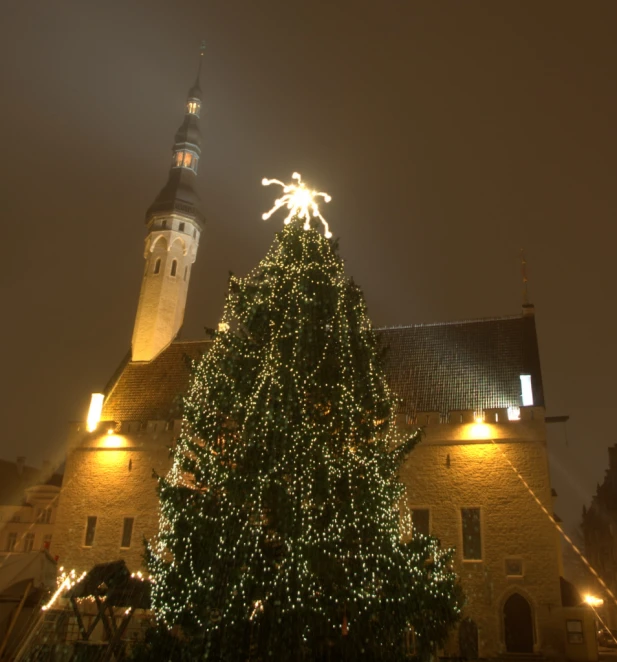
300,201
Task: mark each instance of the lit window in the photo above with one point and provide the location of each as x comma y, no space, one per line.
527,392
472,539
181,227
157,265
514,413
420,521
127,532
193,107
90,530
174,268
11,542
28,542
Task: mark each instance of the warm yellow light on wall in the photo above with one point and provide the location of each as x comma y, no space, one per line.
94,413
592,601
478,431
112,441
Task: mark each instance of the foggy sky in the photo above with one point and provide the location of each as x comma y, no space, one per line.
449,135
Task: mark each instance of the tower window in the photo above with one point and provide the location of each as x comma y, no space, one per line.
181,227
185,159
193,107
186,270
174,268
157,265
164,224
194,233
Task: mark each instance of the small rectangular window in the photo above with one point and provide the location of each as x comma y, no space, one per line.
574,628
164,224
180,227
157,265
11,542
472,538
420,521
46,541
28,542
43,516
174,268
90,530
127,531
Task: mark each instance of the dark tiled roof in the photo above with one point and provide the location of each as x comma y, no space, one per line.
462,365
431,367
153,391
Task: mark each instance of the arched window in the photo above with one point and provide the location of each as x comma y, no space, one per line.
157,265
174,267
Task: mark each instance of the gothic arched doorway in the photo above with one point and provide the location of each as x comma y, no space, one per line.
518,625
468,639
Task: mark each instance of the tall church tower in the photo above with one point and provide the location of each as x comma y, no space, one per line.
175,223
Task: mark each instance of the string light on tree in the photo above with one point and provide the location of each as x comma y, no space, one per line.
281,535
301,202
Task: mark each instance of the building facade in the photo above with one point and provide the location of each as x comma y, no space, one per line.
479,480
600,534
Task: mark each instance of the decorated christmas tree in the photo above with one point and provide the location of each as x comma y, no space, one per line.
281,532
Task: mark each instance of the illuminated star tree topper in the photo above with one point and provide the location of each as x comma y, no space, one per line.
301,202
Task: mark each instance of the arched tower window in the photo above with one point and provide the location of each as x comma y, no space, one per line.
174,268
193,107
157,265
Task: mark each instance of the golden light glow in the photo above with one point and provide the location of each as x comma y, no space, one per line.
300,201
592,601
478,431
112,440
94,413
478,417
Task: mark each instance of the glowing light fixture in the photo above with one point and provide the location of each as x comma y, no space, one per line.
478,417
592,601
300,201
514,413
527,392
94,413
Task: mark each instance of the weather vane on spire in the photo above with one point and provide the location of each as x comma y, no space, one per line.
300,201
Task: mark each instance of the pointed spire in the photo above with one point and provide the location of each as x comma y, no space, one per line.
179,194
195,91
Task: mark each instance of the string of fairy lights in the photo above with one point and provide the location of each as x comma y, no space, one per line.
290,412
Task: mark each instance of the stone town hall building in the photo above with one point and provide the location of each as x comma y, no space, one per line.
475,385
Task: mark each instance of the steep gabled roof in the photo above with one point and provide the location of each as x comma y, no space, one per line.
469,365
153,391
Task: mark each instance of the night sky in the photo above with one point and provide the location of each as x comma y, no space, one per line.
449,134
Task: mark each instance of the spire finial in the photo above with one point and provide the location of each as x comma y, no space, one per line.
202,52
525,279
